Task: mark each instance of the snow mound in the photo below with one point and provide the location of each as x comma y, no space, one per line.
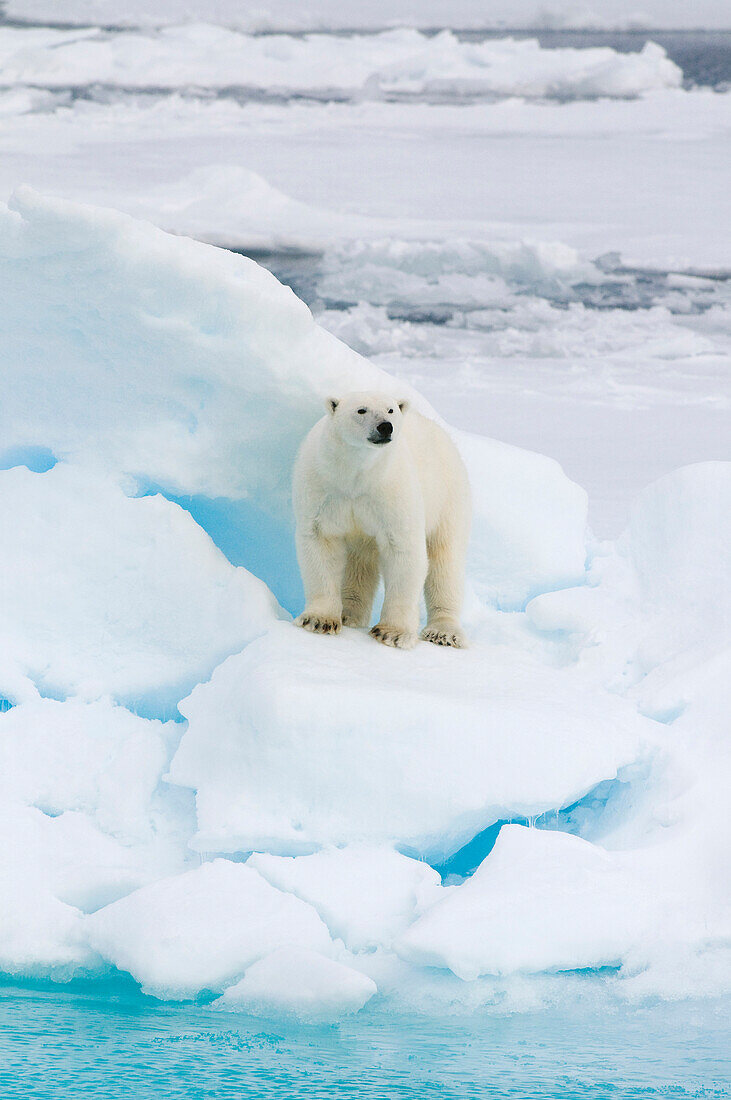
401,62
220,371
201,930
40,936
366,895
90,758
301,984
302,741
678,547
541,901
70,858
662,592
141,606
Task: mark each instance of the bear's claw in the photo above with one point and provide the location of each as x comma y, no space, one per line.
400,639
318,625
450,637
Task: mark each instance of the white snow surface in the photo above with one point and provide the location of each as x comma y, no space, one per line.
401,61
91,758
201,930
106,594
299,742
541,901
599,713
305,985
366,895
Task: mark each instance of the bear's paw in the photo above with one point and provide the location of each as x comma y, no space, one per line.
318,624
440,635
394,636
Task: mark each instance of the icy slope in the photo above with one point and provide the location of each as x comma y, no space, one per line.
194,370
598,715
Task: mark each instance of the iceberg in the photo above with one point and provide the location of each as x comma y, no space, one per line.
234,811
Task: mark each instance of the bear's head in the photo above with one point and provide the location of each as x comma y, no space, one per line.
366,419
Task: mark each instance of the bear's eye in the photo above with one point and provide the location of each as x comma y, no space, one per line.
390,412
362,412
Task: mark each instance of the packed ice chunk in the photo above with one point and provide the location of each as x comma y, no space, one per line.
201,930
529,522
105,594
661,592
40,936
395,62
303,740
74,860
94,758
366,895
540,901
220,371
299,983
678,544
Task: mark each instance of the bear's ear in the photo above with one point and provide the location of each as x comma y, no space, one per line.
331,405
403,405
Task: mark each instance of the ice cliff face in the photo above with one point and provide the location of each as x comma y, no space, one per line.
143,367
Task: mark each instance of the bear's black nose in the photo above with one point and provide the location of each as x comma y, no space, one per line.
385,428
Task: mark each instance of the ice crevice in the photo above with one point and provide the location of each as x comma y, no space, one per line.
328,809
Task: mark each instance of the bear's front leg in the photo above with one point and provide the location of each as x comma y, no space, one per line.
404,571
322,564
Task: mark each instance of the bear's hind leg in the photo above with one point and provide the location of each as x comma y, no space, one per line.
444,590
359,582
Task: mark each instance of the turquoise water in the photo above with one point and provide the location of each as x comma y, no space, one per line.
108,1042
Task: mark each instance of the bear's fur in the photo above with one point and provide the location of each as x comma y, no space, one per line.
381,490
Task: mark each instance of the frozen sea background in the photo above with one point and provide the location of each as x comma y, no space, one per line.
547,261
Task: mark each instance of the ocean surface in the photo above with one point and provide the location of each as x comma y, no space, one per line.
109,1042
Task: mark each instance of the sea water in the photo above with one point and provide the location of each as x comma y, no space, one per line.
109,1041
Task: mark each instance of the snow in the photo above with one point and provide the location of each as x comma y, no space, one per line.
295,982
140,607
660,596
72,858
91,758
40,936
526,240
302,741
366,895
201,930
677,545
243,401
393,62
541,901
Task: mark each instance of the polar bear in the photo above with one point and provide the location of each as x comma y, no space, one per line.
380,489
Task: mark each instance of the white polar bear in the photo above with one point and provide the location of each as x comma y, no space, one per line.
378,488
